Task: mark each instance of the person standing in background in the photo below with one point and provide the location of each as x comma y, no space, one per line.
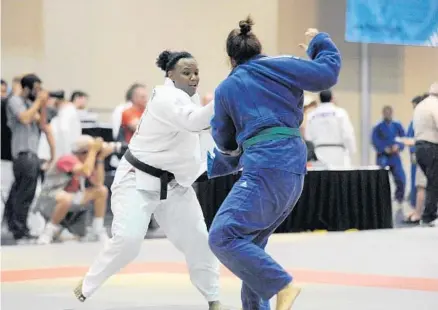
16,86
131,116
118,111
426,136
6,156
26,117
309,104
418,179
80,101
4,89
388,150
5,130
66,126
330,130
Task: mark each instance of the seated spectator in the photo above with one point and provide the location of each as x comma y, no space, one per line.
64,189
131,116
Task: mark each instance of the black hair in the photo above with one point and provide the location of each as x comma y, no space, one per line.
424,96
29,80
417,99
4,82
167,60
242,44
131,90
325,96
77,94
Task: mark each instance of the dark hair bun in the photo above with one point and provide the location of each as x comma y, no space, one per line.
163,59
246,25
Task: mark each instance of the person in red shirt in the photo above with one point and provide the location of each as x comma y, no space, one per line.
131,116
64,187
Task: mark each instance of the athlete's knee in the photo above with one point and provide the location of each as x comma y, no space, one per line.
102,191
220,236
128,245
63,199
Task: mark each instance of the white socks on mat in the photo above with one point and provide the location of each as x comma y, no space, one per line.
98,224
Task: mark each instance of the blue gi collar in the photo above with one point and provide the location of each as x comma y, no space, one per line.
253,58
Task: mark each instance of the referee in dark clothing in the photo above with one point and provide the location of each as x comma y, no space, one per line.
26,116
426,148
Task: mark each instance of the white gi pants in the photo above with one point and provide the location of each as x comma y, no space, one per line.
333,156
180,216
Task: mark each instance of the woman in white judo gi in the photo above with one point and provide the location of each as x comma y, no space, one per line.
155,176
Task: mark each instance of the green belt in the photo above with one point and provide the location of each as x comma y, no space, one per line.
269,134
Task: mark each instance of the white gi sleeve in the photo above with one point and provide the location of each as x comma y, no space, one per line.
187,116
308,129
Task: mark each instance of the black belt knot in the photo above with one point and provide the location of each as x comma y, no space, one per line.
164,176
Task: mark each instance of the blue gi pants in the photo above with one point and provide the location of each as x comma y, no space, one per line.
413,196
395,165
258,203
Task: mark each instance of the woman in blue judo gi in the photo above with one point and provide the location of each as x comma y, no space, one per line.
258,112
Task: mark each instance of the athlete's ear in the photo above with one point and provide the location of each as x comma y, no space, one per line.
170,75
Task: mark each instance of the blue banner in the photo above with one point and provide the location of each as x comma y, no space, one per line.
401,22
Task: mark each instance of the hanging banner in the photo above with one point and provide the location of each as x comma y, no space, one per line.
401,22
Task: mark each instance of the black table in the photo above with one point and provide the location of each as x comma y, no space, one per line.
331,200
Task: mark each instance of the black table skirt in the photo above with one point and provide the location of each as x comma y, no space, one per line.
331,200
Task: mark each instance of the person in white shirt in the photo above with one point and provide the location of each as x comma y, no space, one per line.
155,176
330,130
116,117
425,123
66,128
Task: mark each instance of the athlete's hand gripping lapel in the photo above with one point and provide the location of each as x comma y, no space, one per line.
221,163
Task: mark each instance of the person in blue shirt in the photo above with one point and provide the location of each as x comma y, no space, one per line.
258,112
388,148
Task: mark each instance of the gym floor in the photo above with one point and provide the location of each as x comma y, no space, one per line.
370,270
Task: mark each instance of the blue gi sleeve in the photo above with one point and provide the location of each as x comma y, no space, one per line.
400,133
223,130
378,143
220,164
225,158
319,73
411,134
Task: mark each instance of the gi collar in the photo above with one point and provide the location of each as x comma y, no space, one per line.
249,60
168,82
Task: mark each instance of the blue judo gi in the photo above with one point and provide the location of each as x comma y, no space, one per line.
262,94
383,136
413,196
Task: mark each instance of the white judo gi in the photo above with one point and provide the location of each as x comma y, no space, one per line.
167,138
329,128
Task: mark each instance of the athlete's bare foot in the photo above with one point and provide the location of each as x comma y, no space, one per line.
78,292
286,297
214,305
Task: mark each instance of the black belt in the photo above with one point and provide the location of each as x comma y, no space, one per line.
164,176
330,145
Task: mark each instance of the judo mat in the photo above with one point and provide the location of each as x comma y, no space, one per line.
370,270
